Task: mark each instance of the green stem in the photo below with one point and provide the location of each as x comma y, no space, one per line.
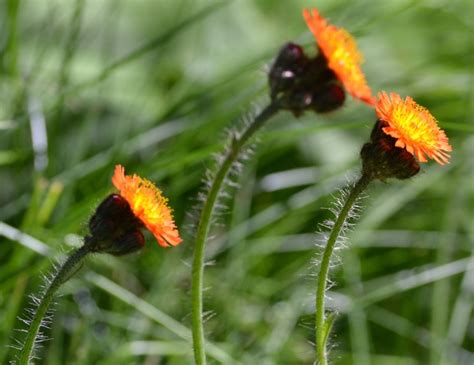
205,221
61,276
321,327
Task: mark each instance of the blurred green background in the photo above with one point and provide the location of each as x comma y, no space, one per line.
154,85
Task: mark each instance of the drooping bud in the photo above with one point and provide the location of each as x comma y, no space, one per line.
287,69
301,83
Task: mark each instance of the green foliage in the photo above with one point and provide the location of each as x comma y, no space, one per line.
153,85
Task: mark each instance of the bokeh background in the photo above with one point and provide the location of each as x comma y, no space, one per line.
154,85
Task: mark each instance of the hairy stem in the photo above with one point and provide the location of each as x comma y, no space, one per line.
322,328
204,223
61,276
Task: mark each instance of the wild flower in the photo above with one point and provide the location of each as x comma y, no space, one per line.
405,134
114,228
319,83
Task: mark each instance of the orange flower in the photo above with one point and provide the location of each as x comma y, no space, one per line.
148,205
342,55
414,128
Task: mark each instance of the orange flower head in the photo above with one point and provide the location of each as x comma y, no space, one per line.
342,55
414,128
149,205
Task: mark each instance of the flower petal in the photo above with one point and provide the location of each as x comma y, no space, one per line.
149,205
413,126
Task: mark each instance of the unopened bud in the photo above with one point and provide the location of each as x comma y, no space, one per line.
301,83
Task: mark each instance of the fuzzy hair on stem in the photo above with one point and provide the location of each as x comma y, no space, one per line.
226,165
40,315
345,211
230,182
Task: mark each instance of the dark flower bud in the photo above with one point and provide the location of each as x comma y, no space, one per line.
127,243
291,56
381,159
114,228
329,98
113,206
287,69
301,83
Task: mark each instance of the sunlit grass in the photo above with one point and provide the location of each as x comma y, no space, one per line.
153,90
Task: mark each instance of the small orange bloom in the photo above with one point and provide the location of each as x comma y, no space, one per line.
414,127
342,55
148,205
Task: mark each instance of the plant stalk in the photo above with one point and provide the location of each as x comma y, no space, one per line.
322,328
205,221
61,276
